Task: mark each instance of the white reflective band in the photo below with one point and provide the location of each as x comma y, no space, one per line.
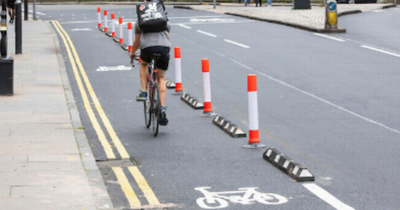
105,21
178,74
130,42
269,153
120,31
206,87
286,164
99,17
113,26
277,158
253,110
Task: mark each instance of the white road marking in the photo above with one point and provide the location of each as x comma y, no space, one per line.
235,43
379,50
114,68
300,90
211,20
196,17
30,11
184,26
208,34
81,29
327,197
329,37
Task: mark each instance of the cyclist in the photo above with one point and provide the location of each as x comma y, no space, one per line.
11,10
150,43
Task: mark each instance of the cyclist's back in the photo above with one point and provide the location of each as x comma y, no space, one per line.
149,44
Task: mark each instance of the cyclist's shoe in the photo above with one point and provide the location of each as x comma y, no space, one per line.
163,116
142,96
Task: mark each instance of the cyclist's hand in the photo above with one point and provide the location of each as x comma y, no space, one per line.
133,57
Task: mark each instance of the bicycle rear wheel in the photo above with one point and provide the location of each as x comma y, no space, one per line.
155,108
147,113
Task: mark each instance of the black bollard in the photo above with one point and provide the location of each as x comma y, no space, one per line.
6,63
6,76
26,9
18,26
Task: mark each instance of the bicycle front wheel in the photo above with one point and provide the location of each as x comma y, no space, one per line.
156,106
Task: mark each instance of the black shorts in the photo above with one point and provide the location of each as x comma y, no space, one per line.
163,62
10,4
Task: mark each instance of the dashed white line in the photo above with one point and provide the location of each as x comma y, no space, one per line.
184,26
327,197
329,37
235,43
379,50
208,34
302,91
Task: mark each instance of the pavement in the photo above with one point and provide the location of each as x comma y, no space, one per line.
45,159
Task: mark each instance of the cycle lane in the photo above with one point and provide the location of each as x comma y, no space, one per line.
102,84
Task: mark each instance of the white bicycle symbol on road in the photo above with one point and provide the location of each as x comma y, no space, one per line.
217,200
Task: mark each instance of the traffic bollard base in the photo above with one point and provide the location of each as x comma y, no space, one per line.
109,34
208,114
177,93
116,39
253,146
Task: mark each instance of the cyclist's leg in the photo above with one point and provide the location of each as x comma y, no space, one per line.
144,74
161,85
145,56
162,66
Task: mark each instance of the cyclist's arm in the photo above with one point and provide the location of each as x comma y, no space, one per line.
135,45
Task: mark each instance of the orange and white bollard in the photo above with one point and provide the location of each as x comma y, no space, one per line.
254,140
121,39
206,86
105,21
130,42
99,17
178,70
112,25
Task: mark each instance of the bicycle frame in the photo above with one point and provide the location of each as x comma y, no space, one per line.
151,78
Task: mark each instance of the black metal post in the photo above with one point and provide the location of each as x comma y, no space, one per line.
26,9
34,9
6,63
18,26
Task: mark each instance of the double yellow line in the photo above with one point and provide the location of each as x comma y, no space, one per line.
123,181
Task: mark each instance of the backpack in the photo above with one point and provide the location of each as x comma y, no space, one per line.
152,16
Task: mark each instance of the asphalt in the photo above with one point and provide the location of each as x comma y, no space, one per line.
45,159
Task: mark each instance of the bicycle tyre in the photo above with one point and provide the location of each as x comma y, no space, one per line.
155,108
147,113
147,109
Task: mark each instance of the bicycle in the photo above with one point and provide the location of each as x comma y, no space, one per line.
152,105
